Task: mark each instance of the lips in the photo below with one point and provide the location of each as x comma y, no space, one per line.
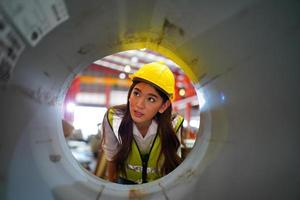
138,114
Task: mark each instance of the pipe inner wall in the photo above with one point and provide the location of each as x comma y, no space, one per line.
244,56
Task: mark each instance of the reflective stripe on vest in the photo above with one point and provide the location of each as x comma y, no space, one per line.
140,171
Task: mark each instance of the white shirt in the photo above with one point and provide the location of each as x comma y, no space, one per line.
145,143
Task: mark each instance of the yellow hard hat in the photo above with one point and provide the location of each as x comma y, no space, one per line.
159,74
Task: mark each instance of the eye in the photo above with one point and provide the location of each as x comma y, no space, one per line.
151,99
136,93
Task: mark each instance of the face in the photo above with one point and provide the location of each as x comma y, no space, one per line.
144,103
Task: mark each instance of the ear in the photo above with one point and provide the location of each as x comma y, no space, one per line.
164,106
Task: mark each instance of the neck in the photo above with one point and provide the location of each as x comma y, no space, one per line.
143,128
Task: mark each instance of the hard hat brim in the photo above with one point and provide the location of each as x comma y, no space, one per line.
133,78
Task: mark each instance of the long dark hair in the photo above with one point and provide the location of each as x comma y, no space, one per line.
169,140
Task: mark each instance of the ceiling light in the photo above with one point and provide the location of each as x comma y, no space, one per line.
181,92
127,68
71,107
122,75
134,59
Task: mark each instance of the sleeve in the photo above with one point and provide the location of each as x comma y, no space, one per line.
178,134
110,143
178,120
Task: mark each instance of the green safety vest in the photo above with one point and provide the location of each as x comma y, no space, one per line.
144,168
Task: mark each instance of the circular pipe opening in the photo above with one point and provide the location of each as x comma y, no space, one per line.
191,166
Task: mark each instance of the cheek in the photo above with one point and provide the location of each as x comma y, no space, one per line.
131,102
154,109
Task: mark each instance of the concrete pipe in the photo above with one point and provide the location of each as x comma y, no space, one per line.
244,55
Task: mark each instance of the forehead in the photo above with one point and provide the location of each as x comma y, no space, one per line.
146,88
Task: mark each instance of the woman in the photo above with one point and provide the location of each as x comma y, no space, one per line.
142,138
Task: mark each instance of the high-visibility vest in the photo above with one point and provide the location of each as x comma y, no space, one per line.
143,168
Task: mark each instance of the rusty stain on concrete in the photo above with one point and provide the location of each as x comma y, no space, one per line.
55,157
86,49
46,74
194,61
132,38
41,96
135,194
169,28
184,177
189,174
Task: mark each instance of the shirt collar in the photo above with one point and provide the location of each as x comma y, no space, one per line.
152,130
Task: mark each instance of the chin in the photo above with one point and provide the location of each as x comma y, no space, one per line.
137,120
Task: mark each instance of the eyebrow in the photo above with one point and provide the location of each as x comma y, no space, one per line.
150,94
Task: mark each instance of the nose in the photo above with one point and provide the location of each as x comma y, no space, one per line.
140,103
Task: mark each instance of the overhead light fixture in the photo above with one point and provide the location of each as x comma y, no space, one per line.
122,75
71,107
134,59
181,92
127,68
151,56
